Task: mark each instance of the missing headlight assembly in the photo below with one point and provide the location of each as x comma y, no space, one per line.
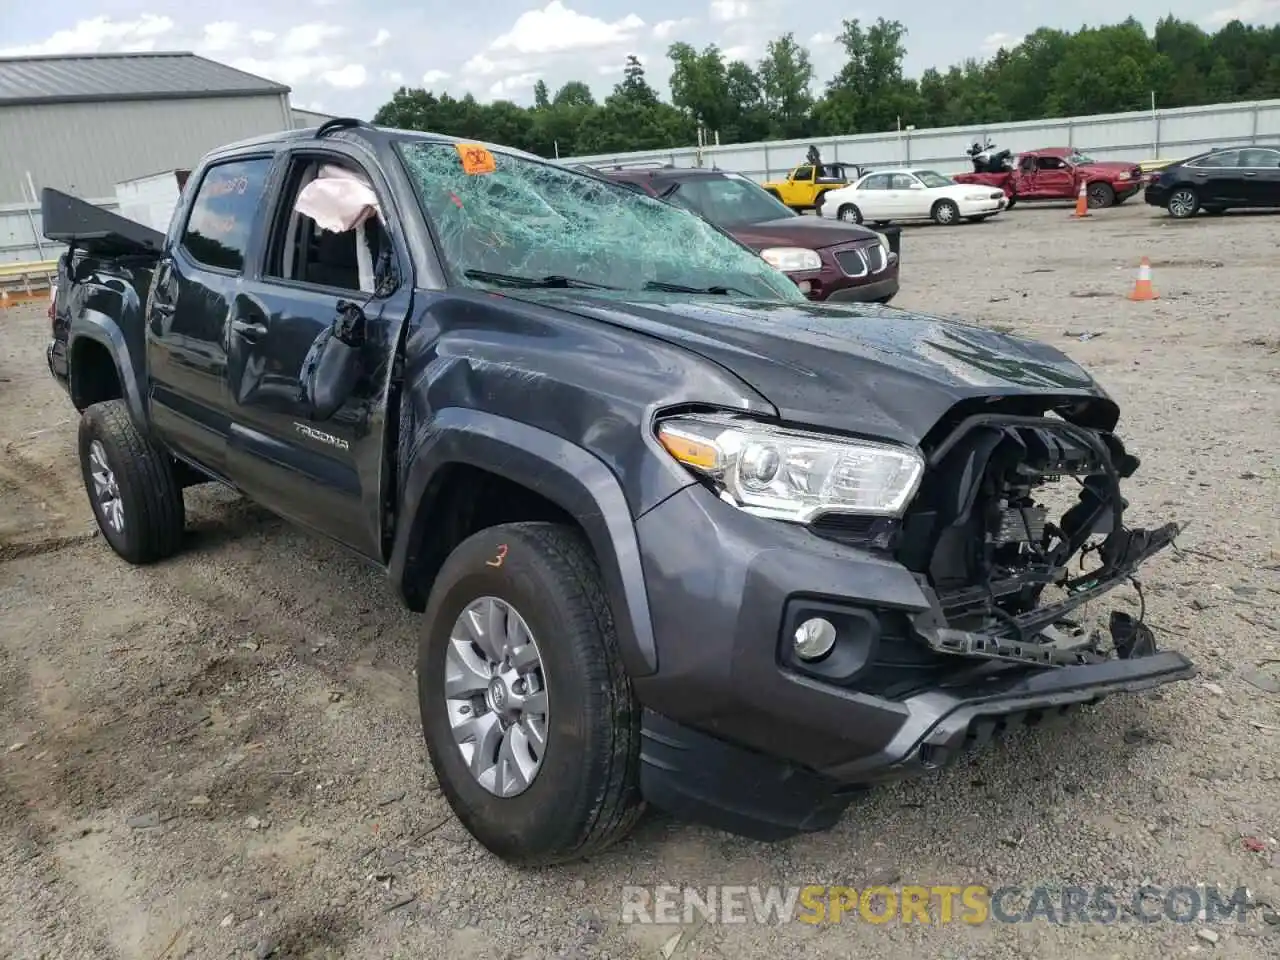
982,534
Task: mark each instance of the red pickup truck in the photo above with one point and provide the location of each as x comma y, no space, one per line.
1055,173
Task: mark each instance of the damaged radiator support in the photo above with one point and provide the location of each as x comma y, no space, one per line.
992,550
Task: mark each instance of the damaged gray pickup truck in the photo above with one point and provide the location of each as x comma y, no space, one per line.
678,535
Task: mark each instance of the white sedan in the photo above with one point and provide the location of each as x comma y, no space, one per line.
912,195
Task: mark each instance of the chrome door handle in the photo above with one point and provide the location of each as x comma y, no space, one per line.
250,331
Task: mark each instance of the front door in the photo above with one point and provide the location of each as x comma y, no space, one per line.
1260,173
324,470
191,296
1055,178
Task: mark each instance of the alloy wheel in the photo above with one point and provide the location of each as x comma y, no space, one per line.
1182,203
105,489
496,695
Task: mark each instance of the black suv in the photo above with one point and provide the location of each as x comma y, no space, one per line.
677,534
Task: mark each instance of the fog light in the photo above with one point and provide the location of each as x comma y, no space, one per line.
814,639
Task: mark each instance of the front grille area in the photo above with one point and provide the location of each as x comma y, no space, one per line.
861,261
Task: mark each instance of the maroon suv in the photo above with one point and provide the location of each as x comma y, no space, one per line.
828,259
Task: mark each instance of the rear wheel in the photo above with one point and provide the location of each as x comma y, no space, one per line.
132,488
1100,195
1183,203
528,714
945,213
849,213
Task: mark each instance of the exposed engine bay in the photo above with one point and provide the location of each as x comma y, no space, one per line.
998,556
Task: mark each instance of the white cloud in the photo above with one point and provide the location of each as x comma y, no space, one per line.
434,76
820,38
667,28
349,77
393,76
609,69
727,10
220,36
994,41
381,37
261,36
741,52
521,82
482,65
308,37
288,70
555,28
99,34
1246,11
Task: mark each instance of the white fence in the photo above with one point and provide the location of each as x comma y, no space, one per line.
1160,134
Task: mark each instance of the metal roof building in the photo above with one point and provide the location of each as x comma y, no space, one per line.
84,123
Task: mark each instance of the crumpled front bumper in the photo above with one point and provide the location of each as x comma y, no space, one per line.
734,737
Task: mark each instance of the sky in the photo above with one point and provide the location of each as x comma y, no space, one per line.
347,57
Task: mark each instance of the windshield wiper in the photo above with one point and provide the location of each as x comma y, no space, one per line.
552,281
682,288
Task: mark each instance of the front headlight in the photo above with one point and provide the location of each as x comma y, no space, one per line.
792,474
792,259
1122,176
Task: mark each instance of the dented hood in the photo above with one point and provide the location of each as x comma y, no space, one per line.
867,369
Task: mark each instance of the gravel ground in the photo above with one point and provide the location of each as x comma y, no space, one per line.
220,757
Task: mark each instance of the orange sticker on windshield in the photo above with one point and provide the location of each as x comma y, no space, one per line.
476,159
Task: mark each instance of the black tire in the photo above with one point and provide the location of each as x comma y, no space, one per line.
1013,202
1100,195
585,795
849,213
1183,203
945,213
149,496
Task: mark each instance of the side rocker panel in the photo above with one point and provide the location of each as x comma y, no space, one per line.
563,473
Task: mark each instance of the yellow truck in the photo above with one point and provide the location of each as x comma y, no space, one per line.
804,186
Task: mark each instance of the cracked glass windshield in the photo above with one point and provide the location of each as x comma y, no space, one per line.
507,220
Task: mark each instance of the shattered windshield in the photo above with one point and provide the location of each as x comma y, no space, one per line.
505,219
729,200
1079,159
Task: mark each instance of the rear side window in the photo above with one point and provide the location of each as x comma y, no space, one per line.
1227,158
221,222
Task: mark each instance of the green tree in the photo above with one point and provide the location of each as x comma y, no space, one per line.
575,93
786,73
700,85
541,96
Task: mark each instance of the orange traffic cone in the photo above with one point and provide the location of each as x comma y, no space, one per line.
1082,204
1142,289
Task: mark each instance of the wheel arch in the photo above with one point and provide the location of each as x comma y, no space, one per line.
558,480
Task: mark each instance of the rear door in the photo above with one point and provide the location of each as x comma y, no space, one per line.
324,472
872,197
1218,179
1260,173
191,295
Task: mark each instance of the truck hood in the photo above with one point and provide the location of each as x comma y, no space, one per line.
812,232
862,368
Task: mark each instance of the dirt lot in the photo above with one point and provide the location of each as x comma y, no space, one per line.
220,756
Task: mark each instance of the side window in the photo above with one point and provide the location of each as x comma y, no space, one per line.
221,221
1028,164
803,173
1260,158
1215,161
901,182
878,182
329,231
1049,163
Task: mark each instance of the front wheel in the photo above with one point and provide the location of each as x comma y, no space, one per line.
1183,203
135,495
849,213
528,714
1100,195
945,213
